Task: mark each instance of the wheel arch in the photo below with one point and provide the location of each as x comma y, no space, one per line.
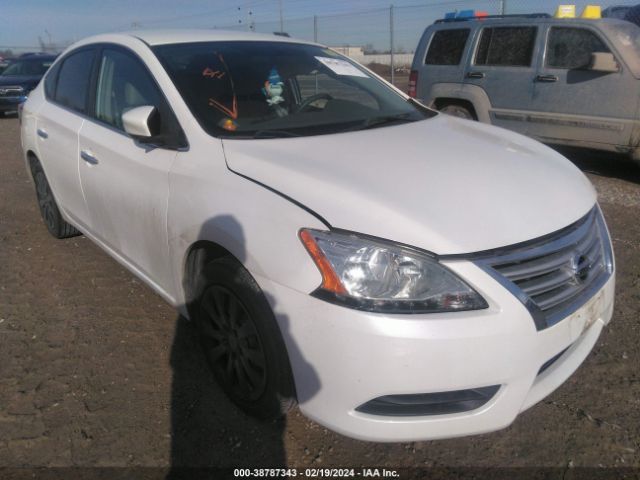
442,102
196,257
474,95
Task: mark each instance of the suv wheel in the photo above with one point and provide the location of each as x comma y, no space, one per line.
457,111
49,210
242,341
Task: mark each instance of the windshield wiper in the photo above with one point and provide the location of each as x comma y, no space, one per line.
375,122
273,134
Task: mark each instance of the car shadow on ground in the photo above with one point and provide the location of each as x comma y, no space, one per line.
604,164
208,432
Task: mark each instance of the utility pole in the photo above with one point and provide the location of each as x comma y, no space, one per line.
391,42
503,7
281,18
315,28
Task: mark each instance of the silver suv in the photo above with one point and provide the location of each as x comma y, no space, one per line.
562,81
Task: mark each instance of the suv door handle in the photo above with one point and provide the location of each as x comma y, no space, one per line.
88,157
475,75
42,133
546,78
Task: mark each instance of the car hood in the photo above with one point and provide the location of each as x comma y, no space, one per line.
29,81
446,185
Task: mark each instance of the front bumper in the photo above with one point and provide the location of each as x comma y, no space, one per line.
10,104
343,358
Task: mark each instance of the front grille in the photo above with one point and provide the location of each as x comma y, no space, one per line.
556,275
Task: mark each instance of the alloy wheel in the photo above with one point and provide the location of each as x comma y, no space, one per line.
232,343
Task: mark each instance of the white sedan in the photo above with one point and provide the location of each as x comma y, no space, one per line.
399,273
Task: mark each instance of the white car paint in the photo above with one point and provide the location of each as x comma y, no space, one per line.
443,185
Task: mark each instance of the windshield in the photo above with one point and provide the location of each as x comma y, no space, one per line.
626,36
28,67
280,89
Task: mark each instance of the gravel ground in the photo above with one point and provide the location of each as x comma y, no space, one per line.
96,370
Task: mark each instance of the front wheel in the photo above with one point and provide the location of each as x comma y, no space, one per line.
242,341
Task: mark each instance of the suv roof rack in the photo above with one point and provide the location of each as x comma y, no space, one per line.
487,17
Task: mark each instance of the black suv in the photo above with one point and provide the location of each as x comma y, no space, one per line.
20,77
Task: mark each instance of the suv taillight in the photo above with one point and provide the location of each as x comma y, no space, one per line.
413,84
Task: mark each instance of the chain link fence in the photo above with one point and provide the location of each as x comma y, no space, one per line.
384,38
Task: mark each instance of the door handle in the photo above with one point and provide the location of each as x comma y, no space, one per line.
88,157
546,78
475,75
42,133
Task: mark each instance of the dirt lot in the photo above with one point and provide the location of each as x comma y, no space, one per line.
96,370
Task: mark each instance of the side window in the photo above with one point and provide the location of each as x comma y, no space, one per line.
123,84
50,81
572,47
73,80
447,47
506,46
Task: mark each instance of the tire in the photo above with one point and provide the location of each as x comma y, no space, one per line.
242,341
457,111
49,210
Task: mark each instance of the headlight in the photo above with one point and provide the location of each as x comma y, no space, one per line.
382,277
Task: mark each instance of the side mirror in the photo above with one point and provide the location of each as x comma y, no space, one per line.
603,62
142,123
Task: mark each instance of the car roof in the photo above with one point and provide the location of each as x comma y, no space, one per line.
171,36
35,56
528,20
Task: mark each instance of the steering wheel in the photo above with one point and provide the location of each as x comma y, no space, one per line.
309,100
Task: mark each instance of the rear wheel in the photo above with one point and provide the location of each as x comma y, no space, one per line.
242,341
49,210
457,111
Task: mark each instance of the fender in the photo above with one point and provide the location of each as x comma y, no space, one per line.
472,93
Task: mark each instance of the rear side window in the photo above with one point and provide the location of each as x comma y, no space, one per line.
447,47
506,46
572,47
73,80
50,81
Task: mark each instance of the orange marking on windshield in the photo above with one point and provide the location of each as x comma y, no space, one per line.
207,72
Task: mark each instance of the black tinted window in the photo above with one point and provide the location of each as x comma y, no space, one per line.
447,47
255,89
123,84
572,47
73,80
506,46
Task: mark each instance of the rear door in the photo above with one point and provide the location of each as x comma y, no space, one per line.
443,61
126,183
58,124
575,104
503,66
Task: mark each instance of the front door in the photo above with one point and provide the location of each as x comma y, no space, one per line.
575,104
503,66
126,183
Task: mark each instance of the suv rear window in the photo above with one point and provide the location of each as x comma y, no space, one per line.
506,46
447,47
572,47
